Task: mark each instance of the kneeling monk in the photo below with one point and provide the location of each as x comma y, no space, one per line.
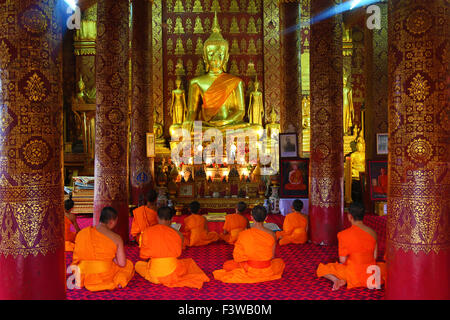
69,220
196,228
234,224
144,216
253,255
100,255
163,245
295,226
357,252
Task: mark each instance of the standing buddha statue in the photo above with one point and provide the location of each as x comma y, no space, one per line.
178,105
256,107
349,111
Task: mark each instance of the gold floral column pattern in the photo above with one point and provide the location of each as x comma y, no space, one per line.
273,61
157,62
376,44
111,136
326,168
419,193
418,228
31,185
292,113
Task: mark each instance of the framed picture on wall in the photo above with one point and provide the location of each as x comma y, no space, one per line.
382,143
378,179
288,145
294,174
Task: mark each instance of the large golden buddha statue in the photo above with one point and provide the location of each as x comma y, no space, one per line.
216,98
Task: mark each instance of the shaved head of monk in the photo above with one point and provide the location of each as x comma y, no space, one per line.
241,206
356,211
194,207
297,205
152,196
259,213
109,216
165,214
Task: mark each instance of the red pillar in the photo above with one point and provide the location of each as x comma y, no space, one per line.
141,179
327,163
111,132
31,186
418,229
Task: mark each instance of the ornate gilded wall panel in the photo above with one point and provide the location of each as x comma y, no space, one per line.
31,185
273,60
157,62
292,112
111,136
376,43
419,134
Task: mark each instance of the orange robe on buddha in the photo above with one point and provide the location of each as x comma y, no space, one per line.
217,95
234,224
143,217
69,236
359,246
294,229
195,232
163,246
94,254
253,253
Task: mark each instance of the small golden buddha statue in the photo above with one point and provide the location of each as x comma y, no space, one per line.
81,88
349,111
273,127
216,98
358,159
306,124
256,107
178,105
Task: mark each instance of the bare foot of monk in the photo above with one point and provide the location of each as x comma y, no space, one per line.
337,284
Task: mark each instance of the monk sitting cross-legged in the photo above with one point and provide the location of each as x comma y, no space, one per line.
234,224
144,216
196,228
163,245
100,255
69,220
295,226
253,255
357,252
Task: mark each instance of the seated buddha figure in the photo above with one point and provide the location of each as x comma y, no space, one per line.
216,98
295,179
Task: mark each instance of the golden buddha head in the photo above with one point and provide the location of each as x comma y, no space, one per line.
178,83
215,49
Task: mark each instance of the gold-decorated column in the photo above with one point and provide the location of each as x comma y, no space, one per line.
418,229
31,185
141,116
327,163
111,125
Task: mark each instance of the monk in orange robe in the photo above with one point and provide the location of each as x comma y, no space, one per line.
100,257
295,226
234,224
253,255
69,220
144,216
163,245
357,252
381,188
196,228
295,179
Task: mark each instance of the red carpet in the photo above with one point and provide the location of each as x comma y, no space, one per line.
299,281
